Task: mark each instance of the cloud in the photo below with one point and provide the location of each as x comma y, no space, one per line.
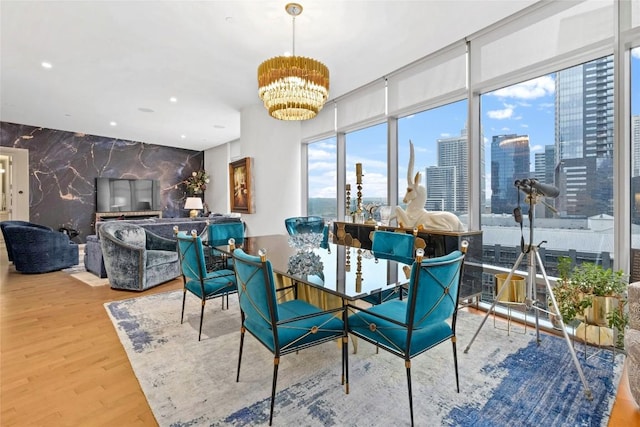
524,125
445,135
532,89
506,113
635,52
505,129
536,147
314,154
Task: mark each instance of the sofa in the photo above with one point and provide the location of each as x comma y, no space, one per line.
135,258
632,341
35,248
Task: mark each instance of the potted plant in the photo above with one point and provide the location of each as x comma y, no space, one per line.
593,294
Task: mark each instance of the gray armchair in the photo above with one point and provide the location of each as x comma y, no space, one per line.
137,259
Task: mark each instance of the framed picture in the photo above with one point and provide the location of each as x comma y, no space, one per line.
241,185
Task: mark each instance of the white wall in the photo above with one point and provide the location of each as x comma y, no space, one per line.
274,146
216,163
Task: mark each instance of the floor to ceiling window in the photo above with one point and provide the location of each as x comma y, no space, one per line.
635,152
368,147
557,129
321,166
440,144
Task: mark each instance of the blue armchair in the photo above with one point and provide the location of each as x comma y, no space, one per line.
282,327
34,248
135,258
197,280
426,318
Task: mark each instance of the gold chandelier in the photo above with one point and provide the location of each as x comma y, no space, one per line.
293,87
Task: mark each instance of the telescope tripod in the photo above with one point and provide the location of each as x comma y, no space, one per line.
531,301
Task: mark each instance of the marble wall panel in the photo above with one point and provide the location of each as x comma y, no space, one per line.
63,167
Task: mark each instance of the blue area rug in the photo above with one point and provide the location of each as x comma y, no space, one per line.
505,379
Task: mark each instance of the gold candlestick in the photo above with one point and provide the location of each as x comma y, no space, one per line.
348,201
358,173
359,271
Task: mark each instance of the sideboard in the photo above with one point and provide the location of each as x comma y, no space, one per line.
434,242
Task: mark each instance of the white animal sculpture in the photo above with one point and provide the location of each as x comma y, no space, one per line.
416,215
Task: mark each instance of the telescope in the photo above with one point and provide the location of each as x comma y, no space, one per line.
532,185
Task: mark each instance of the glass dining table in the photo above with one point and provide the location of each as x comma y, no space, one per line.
342,274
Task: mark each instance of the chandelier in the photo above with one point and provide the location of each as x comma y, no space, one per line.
293,87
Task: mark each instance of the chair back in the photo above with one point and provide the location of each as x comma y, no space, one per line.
304,224
220,233
433,289
256,293
121,231
396,246
191,254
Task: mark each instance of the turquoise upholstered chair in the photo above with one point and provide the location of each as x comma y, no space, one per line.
394,246
205,285
426,318
282,327
218,234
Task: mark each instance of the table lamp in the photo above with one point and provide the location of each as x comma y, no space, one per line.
195,204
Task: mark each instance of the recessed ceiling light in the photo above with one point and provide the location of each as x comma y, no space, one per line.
219,126
113,123
183,136
46,64
229,19
173,99
145,110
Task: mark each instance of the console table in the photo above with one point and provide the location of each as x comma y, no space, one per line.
436,243
102,216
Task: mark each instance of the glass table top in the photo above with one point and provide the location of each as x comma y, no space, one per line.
349,272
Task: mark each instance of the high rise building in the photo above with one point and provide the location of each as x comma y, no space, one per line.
510,161
584,138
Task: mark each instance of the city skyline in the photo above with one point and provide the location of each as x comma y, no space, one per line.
526,108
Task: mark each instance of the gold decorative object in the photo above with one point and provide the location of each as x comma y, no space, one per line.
293,87
348,201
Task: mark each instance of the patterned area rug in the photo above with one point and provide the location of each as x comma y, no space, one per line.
504,380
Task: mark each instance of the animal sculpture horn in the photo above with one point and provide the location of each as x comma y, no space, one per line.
416,196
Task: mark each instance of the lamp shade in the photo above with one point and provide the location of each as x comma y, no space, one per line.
193,203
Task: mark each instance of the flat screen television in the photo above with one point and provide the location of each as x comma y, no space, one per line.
127,195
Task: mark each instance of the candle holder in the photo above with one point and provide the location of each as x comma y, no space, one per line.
347,214
359,271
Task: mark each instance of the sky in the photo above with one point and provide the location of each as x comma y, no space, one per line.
527,108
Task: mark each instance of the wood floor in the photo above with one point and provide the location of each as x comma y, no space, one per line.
63,365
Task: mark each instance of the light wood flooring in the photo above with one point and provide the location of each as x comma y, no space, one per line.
63,365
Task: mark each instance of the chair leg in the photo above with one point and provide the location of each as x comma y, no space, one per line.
240,353
276,362
455,361
184,297
201,317
407,364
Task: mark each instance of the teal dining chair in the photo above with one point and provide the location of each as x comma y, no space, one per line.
426,318
198,281
283,327
218,234
395,246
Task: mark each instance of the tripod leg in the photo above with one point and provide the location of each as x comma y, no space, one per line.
587,390
495,300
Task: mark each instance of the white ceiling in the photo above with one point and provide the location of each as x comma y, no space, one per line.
122,60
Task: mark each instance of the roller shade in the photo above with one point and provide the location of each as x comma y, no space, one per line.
438,76
362,107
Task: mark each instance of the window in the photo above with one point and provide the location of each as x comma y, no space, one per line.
547,115
321,165
440,144
635,150
367,146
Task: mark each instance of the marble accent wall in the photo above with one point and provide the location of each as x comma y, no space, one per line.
63,167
